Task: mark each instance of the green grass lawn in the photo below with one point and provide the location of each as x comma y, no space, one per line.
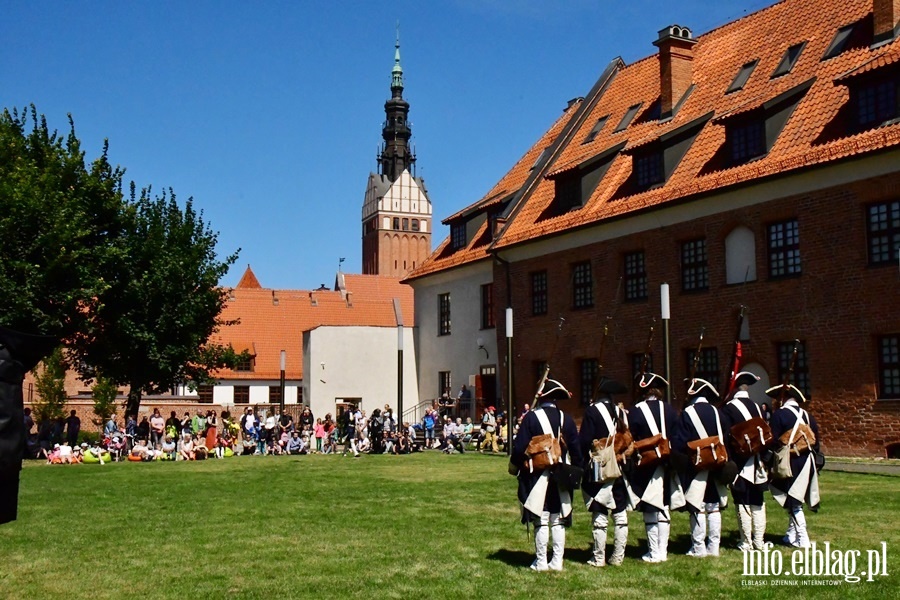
421,526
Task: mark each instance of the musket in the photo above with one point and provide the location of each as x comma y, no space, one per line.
646,358
735,354
790,373
545,374
597,378
695,364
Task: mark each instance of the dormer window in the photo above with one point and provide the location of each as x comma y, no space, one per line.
788,60
596,129
875,102
655,160
648,169
457,236
628,118
747,140
741,78
540,158
752,131
839,42
576,185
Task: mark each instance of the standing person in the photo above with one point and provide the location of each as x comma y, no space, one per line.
546,501
157,428
704,495
143,429
319,432
601,423
173,425
348,421
286,423
248,421
428,424
796,432
376,431
464,400
73,427
212,425
198,423
489,427
653,481
306,419
751,482
390,424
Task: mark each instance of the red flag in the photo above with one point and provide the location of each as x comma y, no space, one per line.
735,366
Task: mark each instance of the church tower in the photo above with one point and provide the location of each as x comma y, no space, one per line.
396,215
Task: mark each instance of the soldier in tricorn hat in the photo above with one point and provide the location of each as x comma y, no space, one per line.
546,501
704,494
603,420
751,482
654,483
796,433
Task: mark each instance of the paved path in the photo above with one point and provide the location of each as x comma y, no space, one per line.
872,468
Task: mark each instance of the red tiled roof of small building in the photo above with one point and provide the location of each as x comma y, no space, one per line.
718,56
274,320
249,281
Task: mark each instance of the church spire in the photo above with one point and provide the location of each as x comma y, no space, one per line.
397,71
395,154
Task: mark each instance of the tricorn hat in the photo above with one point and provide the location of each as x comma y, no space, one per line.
611,386
649,380
745,378
554,390
790,391
700,387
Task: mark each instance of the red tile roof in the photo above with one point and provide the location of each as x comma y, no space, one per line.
442,258
718,56
274,320
249,281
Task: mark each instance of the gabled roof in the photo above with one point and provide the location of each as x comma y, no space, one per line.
442,258
274,320
718,56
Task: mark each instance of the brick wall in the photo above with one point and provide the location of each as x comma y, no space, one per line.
838,307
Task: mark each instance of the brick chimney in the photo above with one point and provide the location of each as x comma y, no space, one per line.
885,14
676,57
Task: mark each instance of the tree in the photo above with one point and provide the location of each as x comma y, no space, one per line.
155,319
104,392
59,225
50,385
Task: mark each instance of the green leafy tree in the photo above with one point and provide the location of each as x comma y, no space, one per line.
156,318
50,385
60,220
105,391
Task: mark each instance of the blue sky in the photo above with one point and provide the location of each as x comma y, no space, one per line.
269,114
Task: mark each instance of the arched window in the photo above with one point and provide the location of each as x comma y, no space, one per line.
415,224
740,256
405,224
396,222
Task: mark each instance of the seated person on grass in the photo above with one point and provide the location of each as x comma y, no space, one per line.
65,453
201,452
295,443
97,451
141,450
168,447
187,447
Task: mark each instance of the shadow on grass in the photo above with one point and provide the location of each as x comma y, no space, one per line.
514,558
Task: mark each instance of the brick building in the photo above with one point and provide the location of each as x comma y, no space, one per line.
755,165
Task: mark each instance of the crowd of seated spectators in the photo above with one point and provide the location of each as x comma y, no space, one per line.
206,435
